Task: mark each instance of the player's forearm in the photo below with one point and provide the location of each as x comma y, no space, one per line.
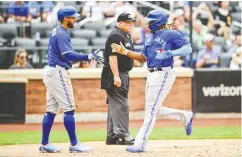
136,55
114,65
183,51
74,56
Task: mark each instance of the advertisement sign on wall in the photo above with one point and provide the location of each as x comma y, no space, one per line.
217,90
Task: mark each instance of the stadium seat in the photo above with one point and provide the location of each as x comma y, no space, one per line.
2,41
224,60
42,28
86,34
196,3
8,31
236,16
226,48
195,47
79,44
77,27
95,26
105,32
112,25
25,43
5,3
99,42
235,29
238,8
47,32
233,4
210,4
44,42
43,52
69,3
219,40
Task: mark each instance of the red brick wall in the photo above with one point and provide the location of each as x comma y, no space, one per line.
90,98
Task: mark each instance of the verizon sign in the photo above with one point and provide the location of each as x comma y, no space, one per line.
221,91
217,90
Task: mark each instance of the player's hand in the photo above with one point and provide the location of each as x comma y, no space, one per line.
119,48
94,56
163,55
117,81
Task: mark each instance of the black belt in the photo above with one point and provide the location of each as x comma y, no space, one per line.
156,69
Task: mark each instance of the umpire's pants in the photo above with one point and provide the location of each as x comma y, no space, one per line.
118,109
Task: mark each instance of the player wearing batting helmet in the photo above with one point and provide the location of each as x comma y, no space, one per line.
159,50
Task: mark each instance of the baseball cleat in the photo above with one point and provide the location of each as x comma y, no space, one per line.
189,127
134,149
49,148
111,140
125,141
78,148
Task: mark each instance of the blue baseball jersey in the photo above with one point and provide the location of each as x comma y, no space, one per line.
159,42
59,45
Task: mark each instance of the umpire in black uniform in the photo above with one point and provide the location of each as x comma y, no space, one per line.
115,80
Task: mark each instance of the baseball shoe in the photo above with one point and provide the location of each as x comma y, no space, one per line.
125,141
189,127
78,148
49,148
134,149
111,140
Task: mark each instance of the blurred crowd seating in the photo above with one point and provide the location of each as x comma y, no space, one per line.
98,19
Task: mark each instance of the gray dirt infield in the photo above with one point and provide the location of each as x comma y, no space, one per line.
162,148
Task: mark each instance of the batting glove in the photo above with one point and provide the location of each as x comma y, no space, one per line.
164,55
119,48
94,56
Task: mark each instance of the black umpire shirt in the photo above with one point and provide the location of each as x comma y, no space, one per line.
125,64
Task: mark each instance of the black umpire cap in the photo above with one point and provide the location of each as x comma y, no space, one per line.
126,17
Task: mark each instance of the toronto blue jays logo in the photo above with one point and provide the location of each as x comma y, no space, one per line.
161,44
159,50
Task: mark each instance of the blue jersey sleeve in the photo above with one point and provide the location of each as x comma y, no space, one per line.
64,44
148,43
177,39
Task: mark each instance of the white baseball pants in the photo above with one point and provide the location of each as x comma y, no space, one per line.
59,91
158,85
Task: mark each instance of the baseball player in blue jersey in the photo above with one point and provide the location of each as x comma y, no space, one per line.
58,83
159,50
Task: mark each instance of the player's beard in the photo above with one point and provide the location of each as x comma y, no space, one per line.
70,25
